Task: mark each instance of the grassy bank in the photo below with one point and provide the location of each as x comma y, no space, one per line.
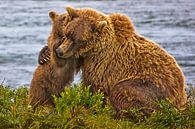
77,108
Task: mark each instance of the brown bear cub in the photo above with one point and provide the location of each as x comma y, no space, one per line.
50,78
131,70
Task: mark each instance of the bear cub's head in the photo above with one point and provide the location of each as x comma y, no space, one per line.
56,35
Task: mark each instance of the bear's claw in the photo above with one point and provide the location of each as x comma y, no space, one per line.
44,55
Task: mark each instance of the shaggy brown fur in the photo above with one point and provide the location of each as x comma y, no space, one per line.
51,77
131,70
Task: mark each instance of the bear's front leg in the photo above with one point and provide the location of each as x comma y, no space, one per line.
138,94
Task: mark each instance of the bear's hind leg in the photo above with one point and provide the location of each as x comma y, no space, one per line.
40,96
135,94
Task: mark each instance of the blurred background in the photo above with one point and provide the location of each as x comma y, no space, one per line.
25,26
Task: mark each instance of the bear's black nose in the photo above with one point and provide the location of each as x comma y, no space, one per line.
59,52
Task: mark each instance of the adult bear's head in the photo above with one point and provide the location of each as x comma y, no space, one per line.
86,31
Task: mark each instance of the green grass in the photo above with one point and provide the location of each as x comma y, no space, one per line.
78,108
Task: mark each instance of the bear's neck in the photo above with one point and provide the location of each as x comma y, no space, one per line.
97,62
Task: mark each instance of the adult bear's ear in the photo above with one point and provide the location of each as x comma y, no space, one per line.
100,26
71,12
53,15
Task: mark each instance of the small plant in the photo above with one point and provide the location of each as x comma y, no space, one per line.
171,117
77,97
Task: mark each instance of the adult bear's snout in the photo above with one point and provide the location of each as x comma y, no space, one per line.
59,52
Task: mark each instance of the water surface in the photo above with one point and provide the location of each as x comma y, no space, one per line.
25,26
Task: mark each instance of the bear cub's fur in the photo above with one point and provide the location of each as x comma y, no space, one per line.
51,77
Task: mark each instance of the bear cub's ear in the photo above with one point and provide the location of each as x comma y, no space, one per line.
53,15
100,26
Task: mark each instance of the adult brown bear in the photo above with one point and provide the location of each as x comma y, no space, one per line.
50,78
132,71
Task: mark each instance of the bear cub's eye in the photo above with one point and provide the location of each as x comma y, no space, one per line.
60,34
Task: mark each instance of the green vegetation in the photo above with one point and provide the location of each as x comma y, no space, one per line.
78,108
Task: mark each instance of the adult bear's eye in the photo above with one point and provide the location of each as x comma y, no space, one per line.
63,38
70,36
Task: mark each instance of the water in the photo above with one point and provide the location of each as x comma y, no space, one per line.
25,26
